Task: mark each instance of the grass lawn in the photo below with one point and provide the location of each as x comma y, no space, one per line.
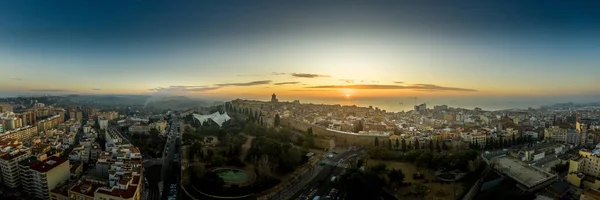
409,169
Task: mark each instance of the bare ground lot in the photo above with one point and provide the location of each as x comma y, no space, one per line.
437,191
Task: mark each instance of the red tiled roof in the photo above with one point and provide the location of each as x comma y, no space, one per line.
86,188
63,189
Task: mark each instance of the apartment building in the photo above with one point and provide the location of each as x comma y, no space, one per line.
555,134
5,107
22,134
573,137
84,190
49,123
25,174
124,172
9,165
109,115
61,192
28,118
79,116
103,123
585,170
48,174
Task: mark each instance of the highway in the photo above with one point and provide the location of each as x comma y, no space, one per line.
321,184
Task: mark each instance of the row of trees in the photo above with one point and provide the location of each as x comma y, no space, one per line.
150,143
405,145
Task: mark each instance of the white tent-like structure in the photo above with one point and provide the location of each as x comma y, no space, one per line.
216,117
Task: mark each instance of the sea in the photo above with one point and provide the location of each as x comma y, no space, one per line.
485,103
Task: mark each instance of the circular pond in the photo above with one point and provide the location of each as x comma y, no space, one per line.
233,176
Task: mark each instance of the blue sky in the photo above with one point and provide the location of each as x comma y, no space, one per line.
504,48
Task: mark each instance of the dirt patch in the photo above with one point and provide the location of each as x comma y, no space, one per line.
437,191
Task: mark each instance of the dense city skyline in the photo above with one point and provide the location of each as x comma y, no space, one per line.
327,50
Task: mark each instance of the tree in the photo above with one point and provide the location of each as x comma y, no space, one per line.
438,147
397,143
417,144
403,145
396,176
358,127
431,147
309,131
390,144
360,184
421,189
277,120
154,133
218,160
376,142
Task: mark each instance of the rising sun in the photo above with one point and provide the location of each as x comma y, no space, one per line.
347,95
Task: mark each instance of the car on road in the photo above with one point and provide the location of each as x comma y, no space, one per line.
317,198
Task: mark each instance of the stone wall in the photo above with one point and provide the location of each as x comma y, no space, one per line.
341,139
325,143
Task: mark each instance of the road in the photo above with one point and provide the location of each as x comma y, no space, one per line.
169,166
321,184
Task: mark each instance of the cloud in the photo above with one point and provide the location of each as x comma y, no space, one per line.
181,89
50,90
202,89
313,90
360,87
96,89
286,83
16,79
398,82
301,75
347,80
260,75
245,84
416,87
440,88
250,75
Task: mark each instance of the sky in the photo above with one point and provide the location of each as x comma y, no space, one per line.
303,50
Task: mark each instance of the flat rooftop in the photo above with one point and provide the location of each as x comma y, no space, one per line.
48,164
520,171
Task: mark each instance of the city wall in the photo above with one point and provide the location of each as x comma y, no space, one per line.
341,139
